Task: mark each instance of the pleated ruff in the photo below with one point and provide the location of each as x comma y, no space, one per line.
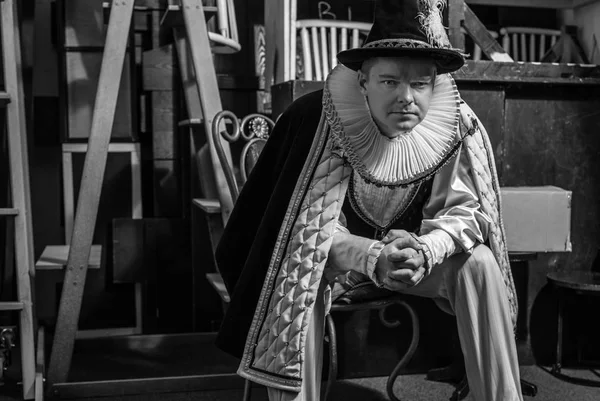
382,160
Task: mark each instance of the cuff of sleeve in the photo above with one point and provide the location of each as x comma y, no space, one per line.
372,257
426,248
440,246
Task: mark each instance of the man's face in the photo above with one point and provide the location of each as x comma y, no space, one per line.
398,91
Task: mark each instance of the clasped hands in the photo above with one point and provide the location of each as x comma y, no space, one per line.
401,263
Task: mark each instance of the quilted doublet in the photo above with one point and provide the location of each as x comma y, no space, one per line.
280,344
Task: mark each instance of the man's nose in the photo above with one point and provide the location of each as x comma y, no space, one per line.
404,94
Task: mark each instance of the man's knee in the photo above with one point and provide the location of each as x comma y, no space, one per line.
480,264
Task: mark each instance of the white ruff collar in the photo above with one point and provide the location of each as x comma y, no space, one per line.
377,158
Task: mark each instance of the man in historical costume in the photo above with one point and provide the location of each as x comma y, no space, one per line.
385,175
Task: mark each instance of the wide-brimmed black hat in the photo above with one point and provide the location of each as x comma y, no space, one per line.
407,28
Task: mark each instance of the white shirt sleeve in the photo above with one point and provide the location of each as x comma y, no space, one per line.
452,218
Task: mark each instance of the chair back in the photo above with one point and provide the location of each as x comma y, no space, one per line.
527,43
225,40
476,53
253,130
320,41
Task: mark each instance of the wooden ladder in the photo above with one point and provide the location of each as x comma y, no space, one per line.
13,100
206,104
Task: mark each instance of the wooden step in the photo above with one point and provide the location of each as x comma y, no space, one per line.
4,99
11,306
55,257
209,206
7,211
173,17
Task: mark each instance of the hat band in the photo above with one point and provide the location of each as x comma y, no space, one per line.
404,43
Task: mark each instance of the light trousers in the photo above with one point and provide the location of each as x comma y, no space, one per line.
469,286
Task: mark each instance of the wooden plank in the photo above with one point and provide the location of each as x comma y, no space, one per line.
487,102
558,4
483,38
167,191
159,73
89,198
84,23
82,74
127,250
159,69
456,16
6,306
165,143
54,257
20,184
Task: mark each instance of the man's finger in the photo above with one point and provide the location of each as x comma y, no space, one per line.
402,255
418,275
404,275
394,234
411,264
406,242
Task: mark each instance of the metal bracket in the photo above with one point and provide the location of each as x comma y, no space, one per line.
7,342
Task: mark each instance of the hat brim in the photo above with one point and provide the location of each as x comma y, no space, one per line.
446,60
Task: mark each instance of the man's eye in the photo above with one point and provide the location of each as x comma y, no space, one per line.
419,84
389,82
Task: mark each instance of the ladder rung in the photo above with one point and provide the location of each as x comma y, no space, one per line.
190,122
173,16
4,99
11,305
7,211
55,257
209,206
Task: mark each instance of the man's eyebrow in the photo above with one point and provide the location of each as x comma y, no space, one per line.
393,76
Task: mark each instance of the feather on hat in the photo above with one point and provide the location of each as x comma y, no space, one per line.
407,28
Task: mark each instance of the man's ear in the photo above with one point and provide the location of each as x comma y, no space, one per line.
362,80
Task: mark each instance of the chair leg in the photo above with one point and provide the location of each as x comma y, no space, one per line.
333,369
409,353
247,390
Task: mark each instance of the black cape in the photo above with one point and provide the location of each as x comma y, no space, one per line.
245,249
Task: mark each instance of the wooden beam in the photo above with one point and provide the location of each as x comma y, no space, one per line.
482,37
456,16
525,3
581,3
528,73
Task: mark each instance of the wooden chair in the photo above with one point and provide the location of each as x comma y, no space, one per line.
226,39
477,53
254,129
528,44
320,41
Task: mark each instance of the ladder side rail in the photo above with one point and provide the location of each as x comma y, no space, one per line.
20,187
89,194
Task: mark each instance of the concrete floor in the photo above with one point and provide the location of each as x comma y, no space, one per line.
407,387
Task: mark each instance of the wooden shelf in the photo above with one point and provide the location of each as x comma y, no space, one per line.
55,257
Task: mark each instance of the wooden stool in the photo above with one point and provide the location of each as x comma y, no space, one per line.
578,283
